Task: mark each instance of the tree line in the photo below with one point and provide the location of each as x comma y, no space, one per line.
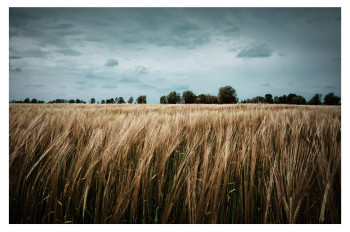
226,95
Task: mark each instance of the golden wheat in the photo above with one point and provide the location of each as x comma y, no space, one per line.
174,163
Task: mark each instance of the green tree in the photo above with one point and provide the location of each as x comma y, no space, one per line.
189,97
26,100
227,95
163,100
131,100
34,100
315,100
141,99
268,98
173,98
92,101
331,99
121,100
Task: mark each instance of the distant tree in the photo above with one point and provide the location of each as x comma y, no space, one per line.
116,99
290,98
131,100
227,95
141,99
302,100
331,99
173,98
315,100
268,98
110,101
103,102
189,97
71,101
92,101
163,100
26,100
121,100
206,99
34,100
77,101
276,100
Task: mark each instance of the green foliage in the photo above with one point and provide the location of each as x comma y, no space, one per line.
189,97
173,98
227,95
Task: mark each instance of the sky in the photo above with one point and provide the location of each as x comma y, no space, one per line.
71,53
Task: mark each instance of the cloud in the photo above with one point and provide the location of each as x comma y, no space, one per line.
234,30
68,52
265,85
62,26
111,62
141,70
109,86
35,53
255,50
36,86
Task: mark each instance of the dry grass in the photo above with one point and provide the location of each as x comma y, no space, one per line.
175,164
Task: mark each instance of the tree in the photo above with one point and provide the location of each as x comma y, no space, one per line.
189,97
141,99
268,98
163,100
315,100
110,101
26,100
207,99
331,99
131,100
276,100
71,101
227,95
77,101
34,100
121,100
92,101
173,98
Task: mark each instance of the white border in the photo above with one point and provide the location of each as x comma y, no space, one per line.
4,85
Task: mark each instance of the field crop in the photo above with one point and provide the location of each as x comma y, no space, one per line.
133,163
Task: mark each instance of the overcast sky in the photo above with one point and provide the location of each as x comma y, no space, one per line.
81,53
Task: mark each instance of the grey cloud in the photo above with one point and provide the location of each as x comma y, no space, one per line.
141,70
109,86
255,50
68,52
111,63
62,26
36,86
234,30
36,53
265,85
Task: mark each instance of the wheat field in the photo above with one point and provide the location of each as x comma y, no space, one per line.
242,163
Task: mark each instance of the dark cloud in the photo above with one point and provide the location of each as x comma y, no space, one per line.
62,26
255,50
32,53
173,44
111,63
